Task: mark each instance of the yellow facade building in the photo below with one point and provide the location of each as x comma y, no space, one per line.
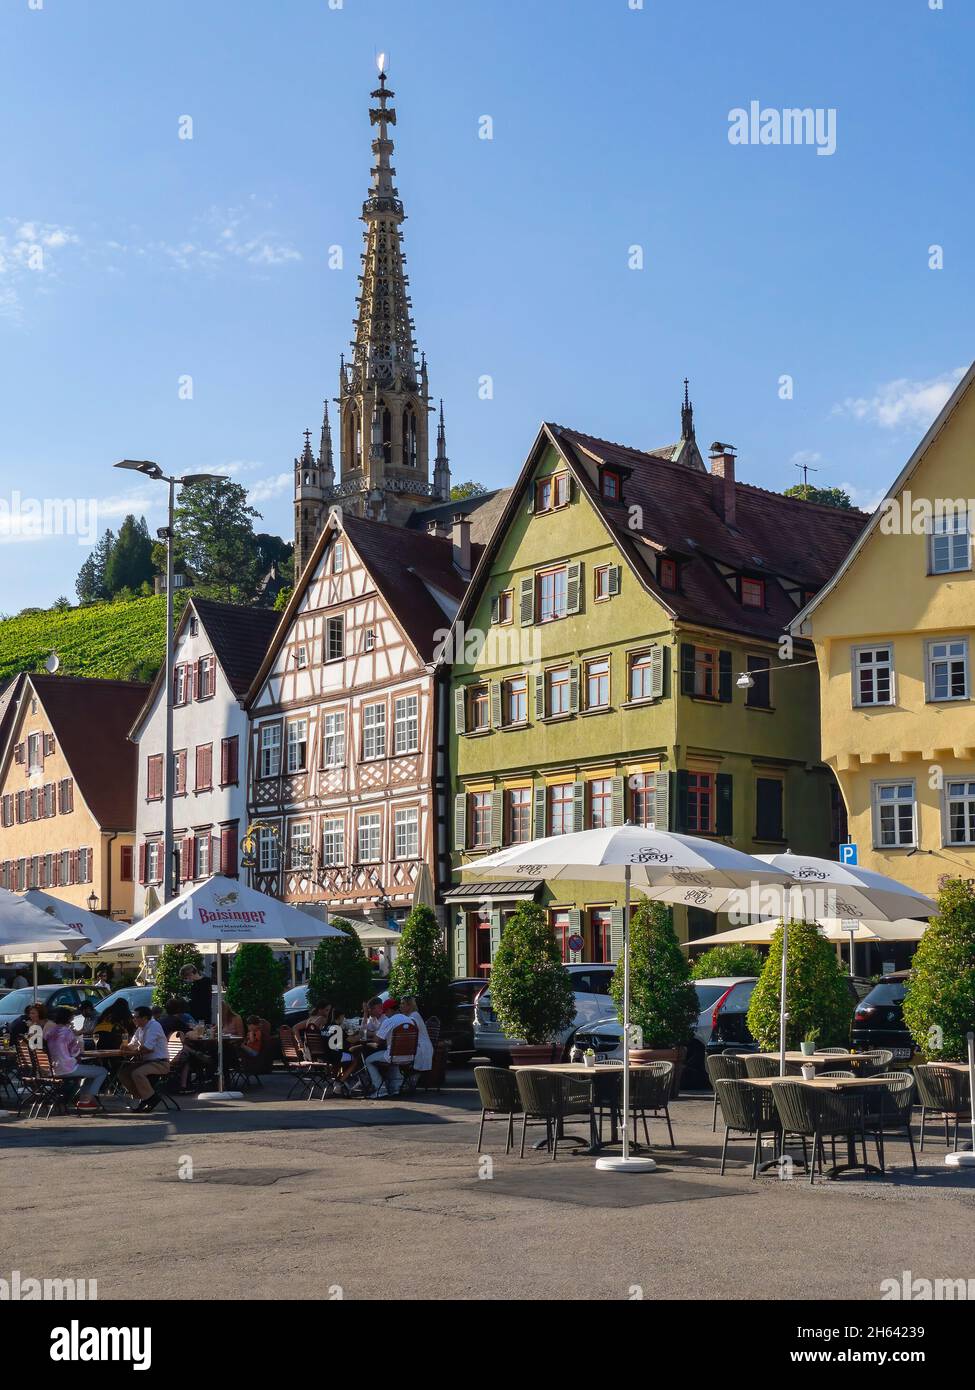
894,633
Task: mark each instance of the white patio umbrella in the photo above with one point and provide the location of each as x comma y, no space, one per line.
223,912
656,861
26,930
761,933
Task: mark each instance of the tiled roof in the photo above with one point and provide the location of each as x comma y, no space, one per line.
773,535
240,637
482,512
91,720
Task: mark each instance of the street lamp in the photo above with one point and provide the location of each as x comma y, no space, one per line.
165,533
92,901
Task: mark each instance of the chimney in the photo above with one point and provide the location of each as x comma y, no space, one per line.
722,458
461,538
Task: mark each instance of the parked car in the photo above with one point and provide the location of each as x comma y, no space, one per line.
465,993
136,996
605,1036
591,986
67,996
296,1000
731,1022
878,1020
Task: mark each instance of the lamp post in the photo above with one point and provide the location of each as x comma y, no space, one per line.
153,470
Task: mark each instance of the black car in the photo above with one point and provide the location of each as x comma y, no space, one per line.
731,1025
879,1019
461,1027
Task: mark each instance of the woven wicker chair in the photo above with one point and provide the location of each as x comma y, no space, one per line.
873,1063
500,1100
757,1066
844,1075
746,1110
832,1051
549,1098
723,1066
650,1092
943,1092
888,1110
819,1115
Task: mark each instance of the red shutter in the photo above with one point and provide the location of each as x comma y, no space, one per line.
197,678
208,765
19,753
186,859
228,851
143,861
214,854
73,866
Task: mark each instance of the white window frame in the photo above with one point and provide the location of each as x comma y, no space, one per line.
295,743
154,849
334,624
201,861
268,851
333,841
270,759
371,823
406,832
873,667
966,797
951,534
877,801
947,659
406,724
373,731
35,764
333,738
299,844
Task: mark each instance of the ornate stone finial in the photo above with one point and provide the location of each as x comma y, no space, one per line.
441,464
686,415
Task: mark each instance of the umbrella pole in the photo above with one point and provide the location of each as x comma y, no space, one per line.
35,976
965,1158
293,953
782,1012
219,1019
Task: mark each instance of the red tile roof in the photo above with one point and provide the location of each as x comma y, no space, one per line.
240,637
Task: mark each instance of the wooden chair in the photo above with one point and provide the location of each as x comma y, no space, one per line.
304,1073
402,1052
47,1088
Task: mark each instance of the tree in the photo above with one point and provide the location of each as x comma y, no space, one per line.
130,561
817,993
727,960
421,967
90,585
825,496
214,538
256,983
167,984
531,990
663,1002
461,491
283,599
939,1005
340,971
61,605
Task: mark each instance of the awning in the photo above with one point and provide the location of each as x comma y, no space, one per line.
476,892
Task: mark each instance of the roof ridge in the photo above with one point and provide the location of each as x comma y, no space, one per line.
54,676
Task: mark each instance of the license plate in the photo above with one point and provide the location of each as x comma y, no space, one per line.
901,1053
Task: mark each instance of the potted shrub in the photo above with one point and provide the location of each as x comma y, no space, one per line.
340,971
722,961
663,1002
255,984
817,993
531,990
167,983
421,967
939,1005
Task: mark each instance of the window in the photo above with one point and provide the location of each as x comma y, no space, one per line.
301,656
515,700
700,802
643,809
374,731
504,606
202,855
35,752
557,692
333,842
667,575
552,595
154,852
948,670
551,492
894,820
181,685
335,638
950,543
601,922
333,739
597,683
769,794
960,801
519,815
601,802
706,672
561,930
369,639
641,675
204,767
338,557
267,850
610,485
478,708
125,864
561,815
759,695
297,745
66,792
406,833
873,676
154,779
299,846
229,761
368,838
753,593
206,678
480,819
270,761
179,772
406,724
601,582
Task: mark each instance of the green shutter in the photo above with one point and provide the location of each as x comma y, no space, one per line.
496,711
460,709
575,928
578,805
724,811
615,578
460,946
495,931
574,689
573,587
686,668
497,819
527,601
538,829
540,695
656,673
460,821
724,677
619,800
616,933
495,607
661,796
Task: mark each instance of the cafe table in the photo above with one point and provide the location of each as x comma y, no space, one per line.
827,1083
601,1094
828,1060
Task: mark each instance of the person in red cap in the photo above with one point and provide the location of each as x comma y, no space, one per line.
385,1077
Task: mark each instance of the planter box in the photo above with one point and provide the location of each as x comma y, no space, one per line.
535,1055
639,1056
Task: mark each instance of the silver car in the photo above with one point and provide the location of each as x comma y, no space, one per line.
591,986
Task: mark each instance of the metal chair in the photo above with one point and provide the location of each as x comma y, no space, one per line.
500,1100
872,1063
746,1110
550,1098
723,1066
758,1066
944,1092
819,1115
45,1088
650,1087
888,1110
305,1073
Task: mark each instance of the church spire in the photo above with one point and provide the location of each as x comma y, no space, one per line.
441,464
325,451
686,415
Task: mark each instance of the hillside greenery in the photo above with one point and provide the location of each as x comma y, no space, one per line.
125,640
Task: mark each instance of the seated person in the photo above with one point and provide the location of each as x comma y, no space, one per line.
257,1036
64,1046
383,1073
150,1057
33,1014
89,1018
231,1023
114,1025
319,1020
175,1017
423,1060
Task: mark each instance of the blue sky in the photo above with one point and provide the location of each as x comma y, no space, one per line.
130,258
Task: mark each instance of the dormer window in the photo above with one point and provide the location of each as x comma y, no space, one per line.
668,575
753,592
611,485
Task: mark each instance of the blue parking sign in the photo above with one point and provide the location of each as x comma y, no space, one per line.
848,854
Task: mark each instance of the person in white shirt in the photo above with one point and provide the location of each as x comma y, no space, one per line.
384,1075
150,1050
423,1060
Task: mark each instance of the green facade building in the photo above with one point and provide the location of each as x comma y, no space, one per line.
595,676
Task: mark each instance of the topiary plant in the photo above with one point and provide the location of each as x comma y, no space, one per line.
256,983
340,971
421,967
663,1002
531,990
817,992
939,1004
727,960
167,983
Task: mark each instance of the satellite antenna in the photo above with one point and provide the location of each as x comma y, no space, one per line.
52,663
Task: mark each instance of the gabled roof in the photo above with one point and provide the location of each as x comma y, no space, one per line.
481,511
91,721
902,479
773,535
9,696
406,566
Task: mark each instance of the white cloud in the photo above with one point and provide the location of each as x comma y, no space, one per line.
265,489
805,457
866,498
26,260
902,403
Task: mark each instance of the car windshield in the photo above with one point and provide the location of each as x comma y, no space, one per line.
880,994
296,998
17,1000
708,995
